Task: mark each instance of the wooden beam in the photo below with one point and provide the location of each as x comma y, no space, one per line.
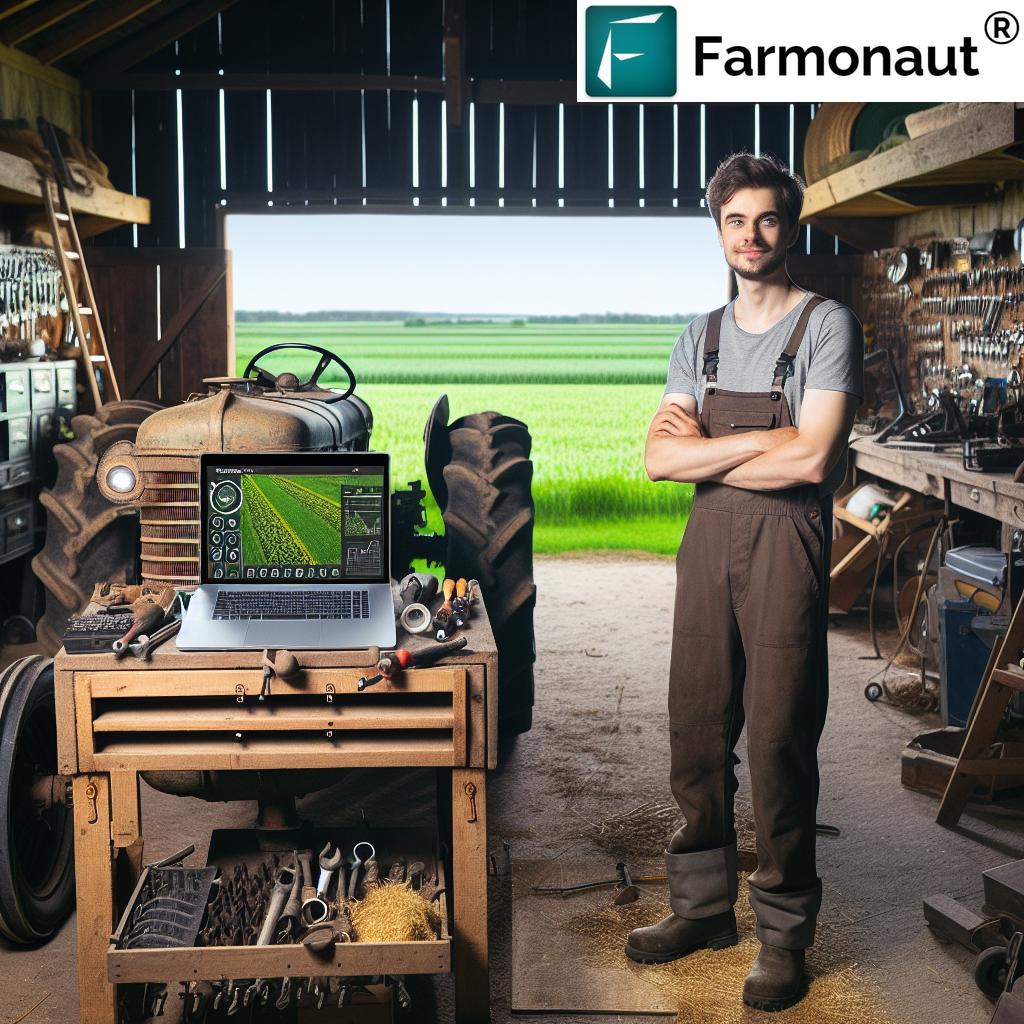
505,90
256,82
19,184
39,20
455,84
15,7
30,66
103,21
135,48
925,160
483,90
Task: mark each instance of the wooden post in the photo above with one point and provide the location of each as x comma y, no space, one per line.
94,872
469,861
125,830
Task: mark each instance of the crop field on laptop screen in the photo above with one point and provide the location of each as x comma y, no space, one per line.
291,520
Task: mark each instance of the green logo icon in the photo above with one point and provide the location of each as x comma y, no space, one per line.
630,51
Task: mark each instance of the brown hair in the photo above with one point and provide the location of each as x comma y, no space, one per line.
744,170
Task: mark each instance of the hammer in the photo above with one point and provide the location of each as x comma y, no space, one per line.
393,663
624,882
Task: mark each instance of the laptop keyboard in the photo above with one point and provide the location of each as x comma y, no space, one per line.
298,604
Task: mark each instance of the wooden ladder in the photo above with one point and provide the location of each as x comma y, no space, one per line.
998,685
92,342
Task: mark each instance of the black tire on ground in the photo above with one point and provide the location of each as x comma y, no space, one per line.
88,539
990,971
37,865
488,520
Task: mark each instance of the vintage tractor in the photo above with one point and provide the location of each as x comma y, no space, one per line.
125,506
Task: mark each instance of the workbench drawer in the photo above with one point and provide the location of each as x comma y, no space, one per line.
152,720
981,499
225,963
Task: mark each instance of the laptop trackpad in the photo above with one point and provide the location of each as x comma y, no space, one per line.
297,633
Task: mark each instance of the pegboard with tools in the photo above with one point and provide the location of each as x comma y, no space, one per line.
951,312
33,305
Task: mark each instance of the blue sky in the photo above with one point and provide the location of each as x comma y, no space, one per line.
475,263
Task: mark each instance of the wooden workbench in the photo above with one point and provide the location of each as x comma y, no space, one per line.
941,476
199,711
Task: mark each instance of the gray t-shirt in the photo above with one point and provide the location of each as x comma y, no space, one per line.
831,357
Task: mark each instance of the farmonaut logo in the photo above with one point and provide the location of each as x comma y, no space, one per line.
630,51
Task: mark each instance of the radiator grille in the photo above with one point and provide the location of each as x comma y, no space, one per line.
169,517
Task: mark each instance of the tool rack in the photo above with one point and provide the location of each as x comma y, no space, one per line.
199,710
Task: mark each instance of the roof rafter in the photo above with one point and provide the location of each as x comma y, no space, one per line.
39,19
105,20
137,47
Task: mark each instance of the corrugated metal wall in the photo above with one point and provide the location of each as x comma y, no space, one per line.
245,149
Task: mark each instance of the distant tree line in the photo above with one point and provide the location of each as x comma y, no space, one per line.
412,319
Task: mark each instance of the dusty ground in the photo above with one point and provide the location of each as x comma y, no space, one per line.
599,748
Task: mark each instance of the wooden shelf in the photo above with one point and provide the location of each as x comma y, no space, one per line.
973,152
99,211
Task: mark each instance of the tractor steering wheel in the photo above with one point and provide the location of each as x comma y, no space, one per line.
326,358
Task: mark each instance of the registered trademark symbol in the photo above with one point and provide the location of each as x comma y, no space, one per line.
1001,27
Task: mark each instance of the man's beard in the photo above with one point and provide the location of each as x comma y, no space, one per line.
764,268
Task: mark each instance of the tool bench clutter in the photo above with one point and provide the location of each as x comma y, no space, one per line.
202,711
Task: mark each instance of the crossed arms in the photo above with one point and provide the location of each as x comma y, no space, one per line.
758,460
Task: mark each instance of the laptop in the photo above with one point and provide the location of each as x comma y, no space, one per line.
294,552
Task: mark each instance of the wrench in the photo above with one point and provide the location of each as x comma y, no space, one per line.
285,997
282,890
329,863
357,863
289,921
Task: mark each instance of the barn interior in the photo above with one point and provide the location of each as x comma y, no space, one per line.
130,132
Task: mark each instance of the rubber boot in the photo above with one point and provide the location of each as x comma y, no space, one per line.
675,937
776,980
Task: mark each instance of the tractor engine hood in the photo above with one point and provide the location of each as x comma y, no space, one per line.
236,418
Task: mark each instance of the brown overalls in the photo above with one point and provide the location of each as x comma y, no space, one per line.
749,644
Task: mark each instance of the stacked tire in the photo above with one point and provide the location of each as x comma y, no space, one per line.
488,517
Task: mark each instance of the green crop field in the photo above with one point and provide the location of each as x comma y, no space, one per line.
586,391
287,523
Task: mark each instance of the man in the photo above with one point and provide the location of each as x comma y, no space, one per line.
760,400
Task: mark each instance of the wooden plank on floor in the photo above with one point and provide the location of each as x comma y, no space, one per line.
541,950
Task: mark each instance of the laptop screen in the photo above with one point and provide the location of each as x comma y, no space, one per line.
286,518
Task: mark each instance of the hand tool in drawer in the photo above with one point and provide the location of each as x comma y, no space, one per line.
169,908
290,922
357,863
393,663
260,989
316,909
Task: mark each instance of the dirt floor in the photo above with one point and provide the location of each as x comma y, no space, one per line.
598,752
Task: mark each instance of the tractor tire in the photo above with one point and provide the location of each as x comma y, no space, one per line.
488,518
88,539
37,864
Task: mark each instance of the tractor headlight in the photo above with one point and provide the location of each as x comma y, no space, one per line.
121,479
118,475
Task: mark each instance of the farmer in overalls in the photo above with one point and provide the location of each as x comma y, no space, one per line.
760,400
